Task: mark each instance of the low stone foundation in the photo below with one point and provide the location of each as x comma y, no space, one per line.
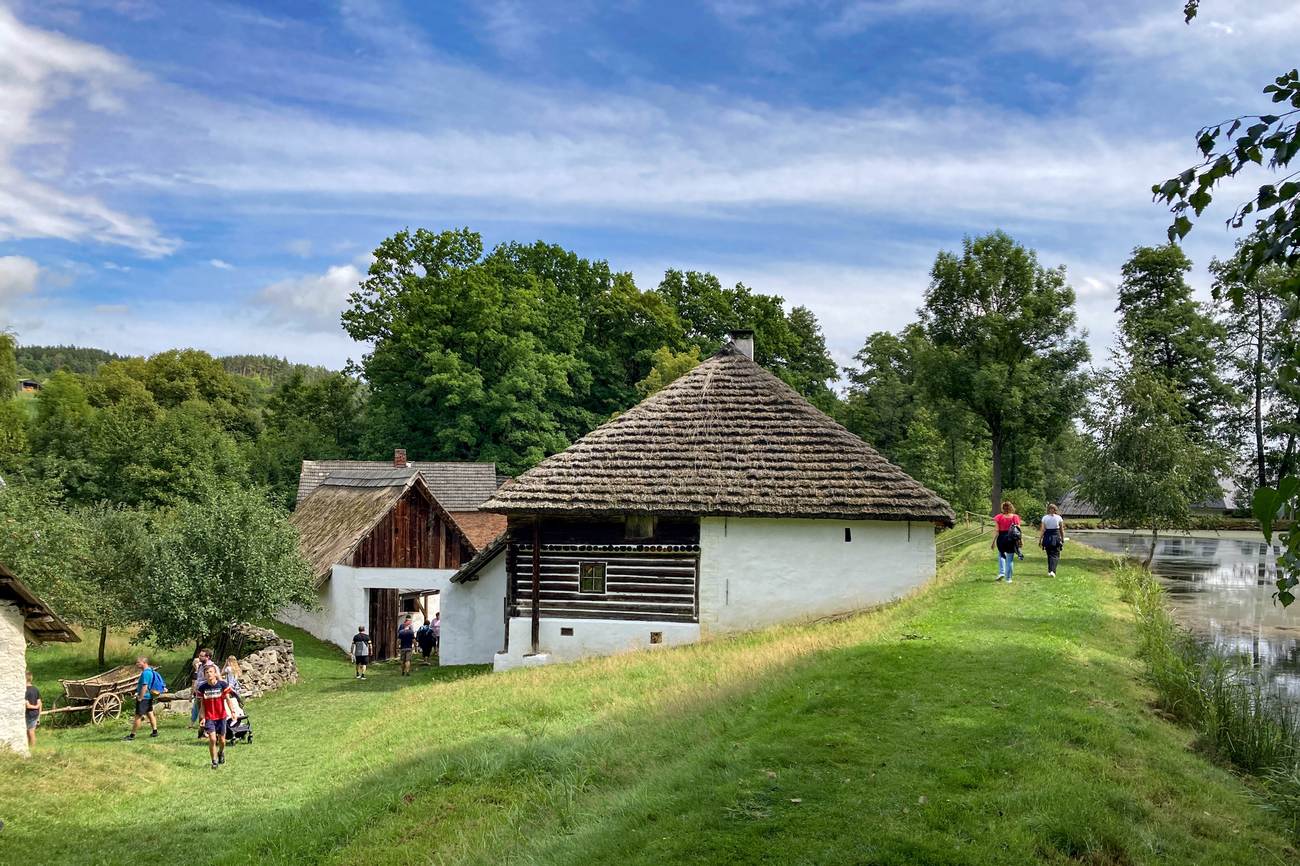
267,665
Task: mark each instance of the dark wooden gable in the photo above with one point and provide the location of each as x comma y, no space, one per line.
415,533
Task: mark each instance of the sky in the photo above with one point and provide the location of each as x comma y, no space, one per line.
215,174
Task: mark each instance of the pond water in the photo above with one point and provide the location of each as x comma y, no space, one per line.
1220,586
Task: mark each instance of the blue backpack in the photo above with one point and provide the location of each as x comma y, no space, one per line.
157,685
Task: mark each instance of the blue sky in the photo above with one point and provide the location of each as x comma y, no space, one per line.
215,175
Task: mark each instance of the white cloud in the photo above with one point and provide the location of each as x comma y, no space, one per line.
313,302
41,70
221,265
302,248
19,276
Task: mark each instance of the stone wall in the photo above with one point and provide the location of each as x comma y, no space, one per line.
267,664
13,672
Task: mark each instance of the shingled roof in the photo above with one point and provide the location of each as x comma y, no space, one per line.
456,486
39,621
726,439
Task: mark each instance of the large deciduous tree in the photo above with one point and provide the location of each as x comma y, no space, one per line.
1004,343
228,556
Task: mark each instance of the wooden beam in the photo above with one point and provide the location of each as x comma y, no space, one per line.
537,581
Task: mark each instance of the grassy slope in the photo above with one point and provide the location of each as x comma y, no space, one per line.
977,723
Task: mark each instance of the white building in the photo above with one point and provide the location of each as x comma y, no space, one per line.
23,618
382,544
724,502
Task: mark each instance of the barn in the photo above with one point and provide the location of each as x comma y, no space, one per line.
724,502
382,544
23,617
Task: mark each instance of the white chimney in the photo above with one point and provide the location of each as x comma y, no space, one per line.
743,340
399,458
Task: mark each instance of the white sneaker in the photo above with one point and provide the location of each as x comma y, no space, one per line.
1051,574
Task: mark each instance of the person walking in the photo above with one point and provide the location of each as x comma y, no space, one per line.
406,644
32,707
213,693
424,638
1051,537
437,632
147,688
1007,540
201,663
231,674
361,651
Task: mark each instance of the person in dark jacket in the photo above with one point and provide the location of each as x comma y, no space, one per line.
424,637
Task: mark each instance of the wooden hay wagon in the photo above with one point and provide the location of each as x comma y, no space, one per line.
101,695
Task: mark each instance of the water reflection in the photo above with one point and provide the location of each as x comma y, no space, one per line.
1220,585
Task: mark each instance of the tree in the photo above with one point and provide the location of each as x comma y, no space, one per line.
1004,343
1274,240
228,556
47,547
1164,330
120,548
8,366
667,367
1145,467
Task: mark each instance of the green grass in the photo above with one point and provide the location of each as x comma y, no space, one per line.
974,723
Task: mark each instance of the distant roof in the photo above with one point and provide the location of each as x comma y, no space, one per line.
469,570
1073,505
480,527
40,622
456,486
728,438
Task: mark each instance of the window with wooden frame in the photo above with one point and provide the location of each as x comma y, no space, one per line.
591,577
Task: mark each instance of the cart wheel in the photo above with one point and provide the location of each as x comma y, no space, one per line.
106,706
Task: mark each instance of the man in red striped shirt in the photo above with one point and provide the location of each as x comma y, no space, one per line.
213,694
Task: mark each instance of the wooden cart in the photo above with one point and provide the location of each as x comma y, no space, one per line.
101,695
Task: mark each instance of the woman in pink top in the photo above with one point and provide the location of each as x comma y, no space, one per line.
1007,540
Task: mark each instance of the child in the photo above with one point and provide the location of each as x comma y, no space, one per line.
231,674
33,706
213,694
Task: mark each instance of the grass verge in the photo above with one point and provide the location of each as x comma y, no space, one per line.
1238,717
975,723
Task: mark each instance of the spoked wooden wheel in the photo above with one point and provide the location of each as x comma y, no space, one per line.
106,706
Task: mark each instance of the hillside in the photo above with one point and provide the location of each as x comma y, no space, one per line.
975,723
40,362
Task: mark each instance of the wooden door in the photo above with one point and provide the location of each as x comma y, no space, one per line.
383,623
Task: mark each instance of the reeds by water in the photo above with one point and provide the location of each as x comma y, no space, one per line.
1240,718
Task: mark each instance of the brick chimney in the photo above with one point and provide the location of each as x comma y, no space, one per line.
743,340
399,458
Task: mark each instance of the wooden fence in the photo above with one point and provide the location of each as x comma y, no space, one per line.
969,526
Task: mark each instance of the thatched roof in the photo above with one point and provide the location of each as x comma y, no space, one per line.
726,439
39,621
456,486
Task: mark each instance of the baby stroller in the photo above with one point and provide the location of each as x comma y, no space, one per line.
240,729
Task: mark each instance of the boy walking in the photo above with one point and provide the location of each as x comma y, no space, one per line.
32,705
214,694
148,687
361,651
406,644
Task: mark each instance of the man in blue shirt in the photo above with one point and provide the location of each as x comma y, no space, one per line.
406,645
149,686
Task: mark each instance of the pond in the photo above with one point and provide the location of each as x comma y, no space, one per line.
1220,586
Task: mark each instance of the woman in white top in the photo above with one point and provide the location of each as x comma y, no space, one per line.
1051,537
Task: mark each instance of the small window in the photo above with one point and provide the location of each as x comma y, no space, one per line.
591,577
566,631
656,637
639,526
848,534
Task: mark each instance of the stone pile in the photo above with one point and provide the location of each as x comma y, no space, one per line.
266,660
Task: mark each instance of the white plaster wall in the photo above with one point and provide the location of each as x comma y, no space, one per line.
344,599
13,679
591,637
473,617
756,572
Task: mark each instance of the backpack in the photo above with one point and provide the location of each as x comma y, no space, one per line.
157,685
1013,532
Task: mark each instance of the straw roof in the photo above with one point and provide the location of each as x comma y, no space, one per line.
342,510
727,439
39,621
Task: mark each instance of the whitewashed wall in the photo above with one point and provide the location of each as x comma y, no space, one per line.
473,617
13,674
756,572
344,599
591,637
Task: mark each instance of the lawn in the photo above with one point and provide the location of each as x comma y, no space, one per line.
974,723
